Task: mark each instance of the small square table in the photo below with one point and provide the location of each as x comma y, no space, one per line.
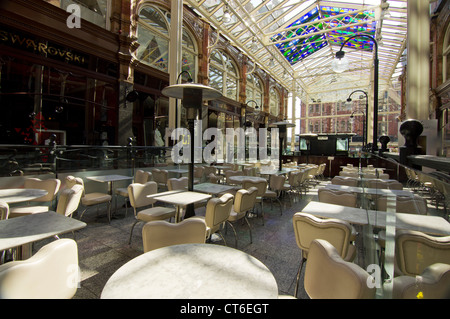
110,179
211,188
433,225
371,191
17,195
351,215
239,179
180,199
24,230
178,171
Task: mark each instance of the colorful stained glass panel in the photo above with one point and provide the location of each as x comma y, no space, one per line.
302,46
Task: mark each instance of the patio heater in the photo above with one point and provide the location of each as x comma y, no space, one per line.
192,95
282,131
340,64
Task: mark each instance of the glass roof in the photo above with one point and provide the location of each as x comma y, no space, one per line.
298,39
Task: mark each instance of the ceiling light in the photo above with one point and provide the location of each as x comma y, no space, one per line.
340,64
226,18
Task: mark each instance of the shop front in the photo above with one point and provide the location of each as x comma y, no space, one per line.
52,84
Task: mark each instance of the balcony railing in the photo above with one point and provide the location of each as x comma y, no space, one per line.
19,160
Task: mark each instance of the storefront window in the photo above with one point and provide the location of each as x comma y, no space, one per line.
274,102
223,74
153,37
38,101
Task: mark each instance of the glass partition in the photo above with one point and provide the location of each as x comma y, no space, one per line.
19,160
407,220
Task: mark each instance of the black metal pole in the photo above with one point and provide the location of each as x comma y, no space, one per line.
366,115
375,88
280,161
375,101
190,209
366,120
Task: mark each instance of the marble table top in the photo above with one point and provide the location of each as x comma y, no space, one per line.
109,178
180,197
352,215
178,170
192,271
240,179
211,188
19,231
17,195
433,225
276,171
372,191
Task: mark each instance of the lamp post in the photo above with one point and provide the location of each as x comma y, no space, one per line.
340,64
282,130
192,95
349,99
364,124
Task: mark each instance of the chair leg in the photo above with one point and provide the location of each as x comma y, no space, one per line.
109,212
223,238
249,229
281,206
298,277
262,211
81,216
131,232
115,199
235,234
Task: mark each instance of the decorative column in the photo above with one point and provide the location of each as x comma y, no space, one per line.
176,32
418,80
122,25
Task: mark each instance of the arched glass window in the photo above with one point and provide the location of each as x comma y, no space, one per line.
223,74
254,90
446,56
189,54
153,36
274,102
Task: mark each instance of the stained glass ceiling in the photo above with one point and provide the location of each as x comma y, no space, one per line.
295,41
312,39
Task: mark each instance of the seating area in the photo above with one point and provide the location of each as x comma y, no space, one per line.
281,236
213,149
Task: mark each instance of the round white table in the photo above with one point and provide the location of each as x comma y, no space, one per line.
18,195
195,271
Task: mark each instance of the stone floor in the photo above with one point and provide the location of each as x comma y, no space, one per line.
103,247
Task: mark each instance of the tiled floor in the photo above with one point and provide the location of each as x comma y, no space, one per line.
103,247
